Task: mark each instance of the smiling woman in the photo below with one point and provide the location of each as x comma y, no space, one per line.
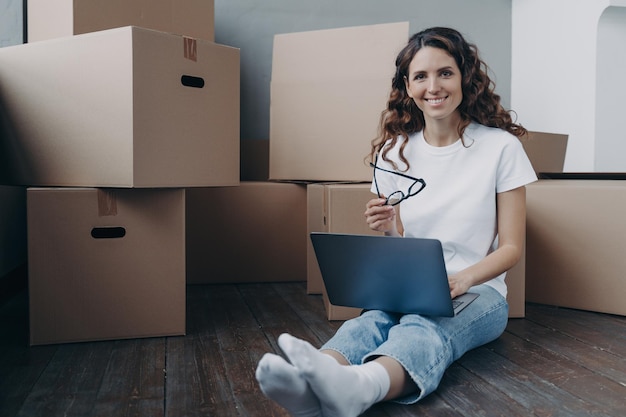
443,123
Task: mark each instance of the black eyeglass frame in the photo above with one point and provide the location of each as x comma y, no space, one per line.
397,197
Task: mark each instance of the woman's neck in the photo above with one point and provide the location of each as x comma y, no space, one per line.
442,132
438,136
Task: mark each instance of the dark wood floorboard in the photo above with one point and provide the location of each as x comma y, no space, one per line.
554,362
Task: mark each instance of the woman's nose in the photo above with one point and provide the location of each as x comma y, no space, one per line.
433,86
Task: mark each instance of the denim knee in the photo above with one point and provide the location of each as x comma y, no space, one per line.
361,335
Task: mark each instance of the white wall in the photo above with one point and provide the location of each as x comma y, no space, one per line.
554,72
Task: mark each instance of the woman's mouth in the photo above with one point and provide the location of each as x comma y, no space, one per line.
435,101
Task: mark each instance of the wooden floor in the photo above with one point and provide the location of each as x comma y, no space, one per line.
555,362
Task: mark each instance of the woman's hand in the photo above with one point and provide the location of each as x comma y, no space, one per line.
458,285
381,217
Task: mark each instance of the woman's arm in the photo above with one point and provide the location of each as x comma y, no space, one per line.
511,212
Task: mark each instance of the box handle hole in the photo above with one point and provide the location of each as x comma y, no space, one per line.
191,81
108,232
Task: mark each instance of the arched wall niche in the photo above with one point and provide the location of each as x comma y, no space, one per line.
610,126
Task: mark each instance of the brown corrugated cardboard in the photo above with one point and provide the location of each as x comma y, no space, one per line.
546,151
336,208
254,232
126,107
105,264
575,244
49,19
328,88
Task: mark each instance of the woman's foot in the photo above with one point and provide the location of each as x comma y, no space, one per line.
342,391
283,383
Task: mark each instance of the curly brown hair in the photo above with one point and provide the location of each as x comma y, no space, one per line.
480,103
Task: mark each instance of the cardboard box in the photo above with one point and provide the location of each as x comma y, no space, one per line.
575,244
338,208
335,208
345,75
105,264
254,232
126,107
546,151
49,19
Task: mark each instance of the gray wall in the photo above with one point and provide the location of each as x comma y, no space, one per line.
252,24
12,199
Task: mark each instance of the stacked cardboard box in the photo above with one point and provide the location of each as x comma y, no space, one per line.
48,19
124,107
105,264
110,123
328,89
254,232
575,244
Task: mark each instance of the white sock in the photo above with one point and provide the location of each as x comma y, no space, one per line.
343,391
282,382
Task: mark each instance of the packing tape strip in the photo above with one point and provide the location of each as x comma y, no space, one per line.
107,203
190,48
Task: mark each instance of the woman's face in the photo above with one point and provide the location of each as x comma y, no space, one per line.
434,83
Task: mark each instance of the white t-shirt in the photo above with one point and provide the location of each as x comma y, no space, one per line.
458,204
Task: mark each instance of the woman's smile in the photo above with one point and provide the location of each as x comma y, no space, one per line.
436,101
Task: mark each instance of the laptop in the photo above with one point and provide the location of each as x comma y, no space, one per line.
394,274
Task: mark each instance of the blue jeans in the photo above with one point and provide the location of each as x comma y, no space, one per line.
424,346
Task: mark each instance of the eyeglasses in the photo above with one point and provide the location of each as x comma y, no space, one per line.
398,196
